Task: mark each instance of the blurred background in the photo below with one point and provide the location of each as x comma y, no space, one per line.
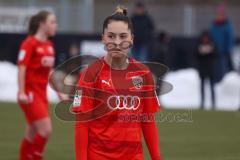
175,33
166,31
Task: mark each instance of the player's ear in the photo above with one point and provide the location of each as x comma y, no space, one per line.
103,41
41,24
132,39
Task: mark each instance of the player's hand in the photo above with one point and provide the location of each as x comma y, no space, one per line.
63,97
23,98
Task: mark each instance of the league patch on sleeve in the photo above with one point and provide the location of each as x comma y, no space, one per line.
77,98
21,54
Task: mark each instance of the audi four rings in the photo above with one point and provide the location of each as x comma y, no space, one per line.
123,102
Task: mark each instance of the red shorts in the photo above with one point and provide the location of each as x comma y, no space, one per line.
37,108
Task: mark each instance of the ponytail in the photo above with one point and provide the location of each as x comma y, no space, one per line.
36,20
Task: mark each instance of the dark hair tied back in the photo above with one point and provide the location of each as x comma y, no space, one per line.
120,14
121,10
36,20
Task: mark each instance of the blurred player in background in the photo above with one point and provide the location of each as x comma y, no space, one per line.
124,87
35,61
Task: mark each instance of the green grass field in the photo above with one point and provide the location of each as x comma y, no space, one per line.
212,135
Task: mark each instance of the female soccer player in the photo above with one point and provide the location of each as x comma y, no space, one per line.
119,94
36,59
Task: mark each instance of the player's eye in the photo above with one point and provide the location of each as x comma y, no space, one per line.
111,36
124,36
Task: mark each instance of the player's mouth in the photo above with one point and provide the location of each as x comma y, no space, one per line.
117,51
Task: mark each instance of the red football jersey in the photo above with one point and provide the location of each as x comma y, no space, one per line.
117,101
39,59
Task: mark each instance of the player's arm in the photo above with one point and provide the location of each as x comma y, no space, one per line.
83,103
56,87
150,133
22,97
23,60
81,128
149,128
81,140
21,78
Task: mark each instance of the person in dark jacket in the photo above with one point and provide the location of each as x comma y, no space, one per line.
161,48
206,55
143,32
222,33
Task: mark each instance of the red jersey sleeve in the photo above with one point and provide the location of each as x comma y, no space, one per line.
150,100
25,53
84,94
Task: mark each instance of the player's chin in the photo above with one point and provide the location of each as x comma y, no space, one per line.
51,34
118,54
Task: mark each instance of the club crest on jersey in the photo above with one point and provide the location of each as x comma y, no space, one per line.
40,50
77,98
137,82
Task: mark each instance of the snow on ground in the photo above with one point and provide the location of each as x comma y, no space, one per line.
185,93
8,84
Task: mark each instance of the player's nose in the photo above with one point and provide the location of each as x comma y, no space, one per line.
118,41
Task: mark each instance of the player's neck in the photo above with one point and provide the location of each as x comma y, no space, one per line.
117,63
41,36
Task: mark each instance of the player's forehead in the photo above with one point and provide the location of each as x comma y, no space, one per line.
117,28
51,17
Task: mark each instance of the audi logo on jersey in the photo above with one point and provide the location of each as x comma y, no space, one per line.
104,103
123,102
